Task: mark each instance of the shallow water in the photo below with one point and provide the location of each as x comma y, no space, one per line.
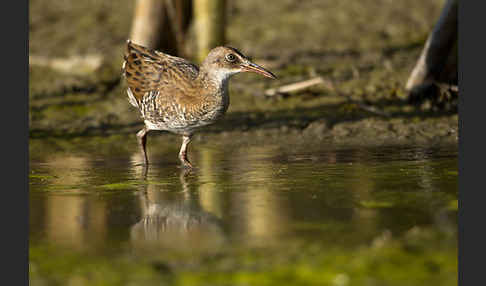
100,202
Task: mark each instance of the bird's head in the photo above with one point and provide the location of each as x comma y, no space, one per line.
226,61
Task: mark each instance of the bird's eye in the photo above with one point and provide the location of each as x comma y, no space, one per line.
230,57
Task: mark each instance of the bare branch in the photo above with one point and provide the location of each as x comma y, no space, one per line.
298,86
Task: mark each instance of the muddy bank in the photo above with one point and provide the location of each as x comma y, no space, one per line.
67,106
369,70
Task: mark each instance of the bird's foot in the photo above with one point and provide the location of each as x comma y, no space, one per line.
187,165
184,161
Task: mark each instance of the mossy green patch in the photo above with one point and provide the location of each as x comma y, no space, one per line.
391,262
453,205
55,267
118,186
452,173
40,176
376,204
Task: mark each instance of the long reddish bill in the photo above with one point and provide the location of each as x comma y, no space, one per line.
258,69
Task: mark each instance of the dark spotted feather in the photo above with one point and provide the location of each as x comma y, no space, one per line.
148,70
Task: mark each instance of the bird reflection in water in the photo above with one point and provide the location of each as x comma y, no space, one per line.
174,219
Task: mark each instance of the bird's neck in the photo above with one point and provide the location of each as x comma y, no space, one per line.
213,86
216,79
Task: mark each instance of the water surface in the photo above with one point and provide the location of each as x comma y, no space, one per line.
291,205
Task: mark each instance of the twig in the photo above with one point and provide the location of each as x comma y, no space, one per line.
451,87
454,88
297,86
79,64
366,107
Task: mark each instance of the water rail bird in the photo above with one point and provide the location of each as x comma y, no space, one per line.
175,95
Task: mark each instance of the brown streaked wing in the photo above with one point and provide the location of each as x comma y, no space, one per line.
149,70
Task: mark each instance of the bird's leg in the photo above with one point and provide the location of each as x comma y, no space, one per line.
142,140
183,152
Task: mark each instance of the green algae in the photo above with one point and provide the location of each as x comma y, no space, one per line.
118,186
453,205
376,204
387,261
49,266
132,184
41,177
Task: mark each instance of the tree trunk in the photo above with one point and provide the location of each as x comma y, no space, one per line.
438,61
161,24
209,22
